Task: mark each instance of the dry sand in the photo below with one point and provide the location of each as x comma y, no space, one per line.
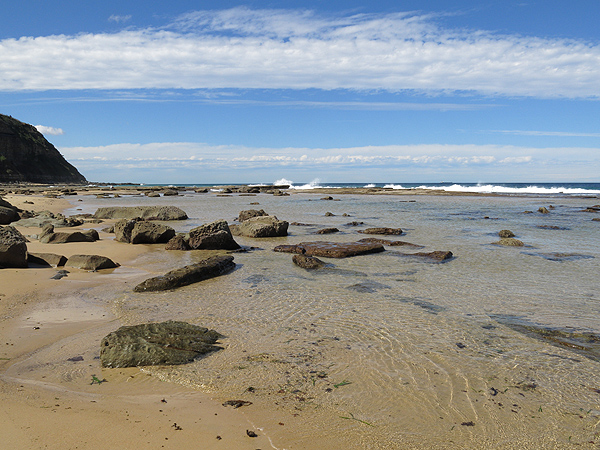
48,402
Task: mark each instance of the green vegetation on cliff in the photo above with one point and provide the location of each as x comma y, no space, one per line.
26,156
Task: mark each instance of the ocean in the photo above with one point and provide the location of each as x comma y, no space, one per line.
498,347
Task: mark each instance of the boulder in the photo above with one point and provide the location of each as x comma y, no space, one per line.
307,262
543,210
13,248
8,215
212,236
390,243
510,242
139,231
46,259
90,262
506,234
438,255
208,268
152,344
170,192
48,236
250,213
178,242
382,230
331,249
46,217
145,212
260,227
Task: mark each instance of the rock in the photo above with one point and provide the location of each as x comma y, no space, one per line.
250,213
178,242
307,262
212,236
329,214
8,215
26,156
437,255
138,231
367,287
48,236
13,248
382,230
90,262
279,193
153,344
510,242
543,210
152,194
260,227
145,212
208,268
327,231
46,217
506,234
354,224
331,249
390,243
60,274
46,259
170,192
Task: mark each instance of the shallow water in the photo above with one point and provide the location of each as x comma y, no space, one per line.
389,351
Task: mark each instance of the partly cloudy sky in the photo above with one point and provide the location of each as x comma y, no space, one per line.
226,92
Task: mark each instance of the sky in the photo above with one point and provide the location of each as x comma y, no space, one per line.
210,92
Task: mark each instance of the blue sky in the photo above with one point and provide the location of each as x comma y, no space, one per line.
232,92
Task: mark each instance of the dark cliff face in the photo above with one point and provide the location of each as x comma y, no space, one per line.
26,156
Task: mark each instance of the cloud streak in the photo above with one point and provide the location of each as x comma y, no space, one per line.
49,130
280,49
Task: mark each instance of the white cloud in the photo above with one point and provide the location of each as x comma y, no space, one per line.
49,130
547,133
242,48
119,19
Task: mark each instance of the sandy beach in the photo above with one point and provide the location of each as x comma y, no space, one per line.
131,409
334,361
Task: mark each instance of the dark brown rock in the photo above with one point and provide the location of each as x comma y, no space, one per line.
510,242
438,255
209,268
152,344
48,236
307,262
8,215
46,259
90,262
327,231
331,249
177,242
382,230
212,236
506,234
543,210
13,248
139,231
390,243
250,213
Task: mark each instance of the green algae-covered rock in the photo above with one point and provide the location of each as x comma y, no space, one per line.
152,344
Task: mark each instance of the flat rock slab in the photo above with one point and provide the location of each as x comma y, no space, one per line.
90,262
152,344
380,230
145,212
390,243
438,255
194,273
331,249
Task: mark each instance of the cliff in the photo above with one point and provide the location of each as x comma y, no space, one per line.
26,156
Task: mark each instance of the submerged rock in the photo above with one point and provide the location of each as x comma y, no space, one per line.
307,262
194,273
327,231
510,242
382,230
153,344
145,212
331,249
390,243
506,234
13,248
